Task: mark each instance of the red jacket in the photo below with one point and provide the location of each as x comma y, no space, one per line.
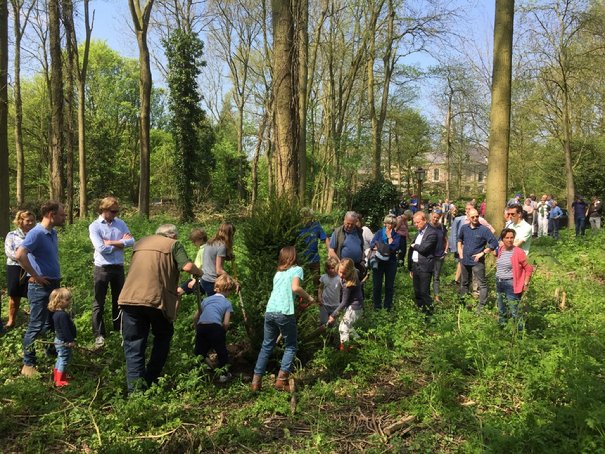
522,270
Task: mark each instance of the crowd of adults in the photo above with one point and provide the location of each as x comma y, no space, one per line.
146,300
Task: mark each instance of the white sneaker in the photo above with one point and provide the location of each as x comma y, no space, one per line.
99,341
224,378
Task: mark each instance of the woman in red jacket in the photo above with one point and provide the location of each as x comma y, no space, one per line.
512,277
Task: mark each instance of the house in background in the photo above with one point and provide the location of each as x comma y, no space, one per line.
468,171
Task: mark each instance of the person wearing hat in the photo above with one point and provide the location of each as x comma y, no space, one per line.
385,244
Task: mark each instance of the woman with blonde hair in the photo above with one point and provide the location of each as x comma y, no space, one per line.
217,250
16,277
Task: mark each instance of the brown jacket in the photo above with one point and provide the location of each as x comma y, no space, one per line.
153,276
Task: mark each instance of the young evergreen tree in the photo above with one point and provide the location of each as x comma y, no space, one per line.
184,51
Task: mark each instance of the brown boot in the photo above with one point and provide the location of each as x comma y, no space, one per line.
29,371
282,383
257,381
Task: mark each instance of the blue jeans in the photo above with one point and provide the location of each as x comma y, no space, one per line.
580,225
508,301
63,355
39,319
207,287
136,323
387,270
276,324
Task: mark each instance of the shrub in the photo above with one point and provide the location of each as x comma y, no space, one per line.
373,200
271,227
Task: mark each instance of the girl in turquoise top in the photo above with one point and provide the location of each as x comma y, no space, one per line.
280,318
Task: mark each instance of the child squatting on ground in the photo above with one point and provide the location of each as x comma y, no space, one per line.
352,302
212,321
329,290
65,332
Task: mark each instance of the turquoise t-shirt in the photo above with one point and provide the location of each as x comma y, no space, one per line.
282,297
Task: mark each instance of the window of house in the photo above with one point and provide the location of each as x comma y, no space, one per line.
435,174
480,177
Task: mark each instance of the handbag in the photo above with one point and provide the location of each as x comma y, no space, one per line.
383,252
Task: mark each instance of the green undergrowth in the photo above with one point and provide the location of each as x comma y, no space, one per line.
459,383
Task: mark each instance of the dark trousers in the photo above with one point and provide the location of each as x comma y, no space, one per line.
474,272
211,336
385,270
207,287
136,323
105,276
422,289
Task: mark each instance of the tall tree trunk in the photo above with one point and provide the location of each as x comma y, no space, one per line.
448,148
56,100
499,137
19,30
285,81
140,18
374,118
4,174
81,72
302,41
68,24
567,136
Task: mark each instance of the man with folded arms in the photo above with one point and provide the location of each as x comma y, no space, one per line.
109,236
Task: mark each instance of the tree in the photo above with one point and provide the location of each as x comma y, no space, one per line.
4,180
140,18
71,49
56,101
285,83
82,70
499,138
19,31
184,52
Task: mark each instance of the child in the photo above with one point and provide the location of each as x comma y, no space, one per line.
199,238
212,321
330,287
65,332
280,319
352,300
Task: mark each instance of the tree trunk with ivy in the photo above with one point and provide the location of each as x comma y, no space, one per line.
184,52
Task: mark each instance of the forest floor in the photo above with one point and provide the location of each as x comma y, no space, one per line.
460,383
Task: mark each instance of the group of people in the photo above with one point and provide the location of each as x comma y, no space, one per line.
146,300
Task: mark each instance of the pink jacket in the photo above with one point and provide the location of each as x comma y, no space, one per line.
522,270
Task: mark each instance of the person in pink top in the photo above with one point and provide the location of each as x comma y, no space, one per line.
512,278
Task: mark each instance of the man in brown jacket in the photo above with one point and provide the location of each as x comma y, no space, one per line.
149,300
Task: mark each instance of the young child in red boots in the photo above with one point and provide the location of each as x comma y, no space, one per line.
65,332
